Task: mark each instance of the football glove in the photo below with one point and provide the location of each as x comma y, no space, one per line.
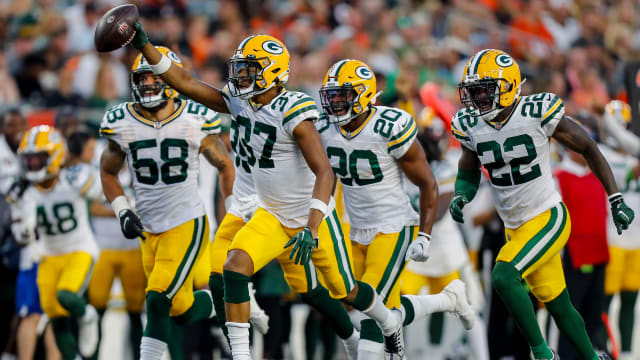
419,248
140,39
455,207
130,224
304,245
621,213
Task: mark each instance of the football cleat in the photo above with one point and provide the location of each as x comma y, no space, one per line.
394,342
462,310
88,332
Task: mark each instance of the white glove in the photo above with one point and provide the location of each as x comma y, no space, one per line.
23,222
419,248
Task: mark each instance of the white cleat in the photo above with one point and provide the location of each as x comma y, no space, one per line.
462,309
257,317
88,332
394,342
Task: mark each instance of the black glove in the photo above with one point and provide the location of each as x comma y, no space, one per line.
131,225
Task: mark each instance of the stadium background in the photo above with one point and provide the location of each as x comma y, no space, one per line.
585,51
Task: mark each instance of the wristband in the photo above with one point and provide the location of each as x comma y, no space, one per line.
420,233
614,197
162,66
320,206
119,204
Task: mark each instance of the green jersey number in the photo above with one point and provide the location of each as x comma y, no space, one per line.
115,114
348,165
64,216
384,125
242,132
197,109
164,171
516,177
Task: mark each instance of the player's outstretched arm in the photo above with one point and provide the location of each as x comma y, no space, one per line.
415,166
177,77
572,135
310,144
467,183
216,153
627,140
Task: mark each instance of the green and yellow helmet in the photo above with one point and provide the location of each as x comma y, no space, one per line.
348,89
153,95
259,63
42,152
490,83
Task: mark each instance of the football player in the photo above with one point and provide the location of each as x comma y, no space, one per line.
509,135
370,148
278,143
56,204
623,272
161,138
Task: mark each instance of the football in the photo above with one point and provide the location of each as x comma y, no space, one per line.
116,28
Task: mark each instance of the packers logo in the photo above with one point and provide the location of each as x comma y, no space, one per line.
364,72
272,47
504,60
173,57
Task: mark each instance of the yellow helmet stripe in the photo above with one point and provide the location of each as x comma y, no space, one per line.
473,65
335,69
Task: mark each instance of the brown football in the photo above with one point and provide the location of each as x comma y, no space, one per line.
116,28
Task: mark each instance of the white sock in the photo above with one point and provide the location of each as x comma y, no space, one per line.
382,315
239,339
351,345
356,316
152,349
370,350
424,305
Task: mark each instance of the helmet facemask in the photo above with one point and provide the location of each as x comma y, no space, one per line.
245,77
341,103
35,165
483,96
150,96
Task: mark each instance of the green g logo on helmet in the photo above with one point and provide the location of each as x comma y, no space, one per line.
504,60
364,72
272,47
173,57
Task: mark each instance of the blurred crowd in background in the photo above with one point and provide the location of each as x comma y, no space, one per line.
585,51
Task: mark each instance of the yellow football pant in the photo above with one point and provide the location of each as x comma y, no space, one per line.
380,263
127,266
623,271
533,249
228,228
411,283
263,239
168,260
69,272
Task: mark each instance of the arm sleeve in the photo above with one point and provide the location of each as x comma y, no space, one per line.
87,181
553,112
302,108
403,134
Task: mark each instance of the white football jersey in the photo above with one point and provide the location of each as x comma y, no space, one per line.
263,142
516,155
365,161
622,166
62,212
163,160
10,165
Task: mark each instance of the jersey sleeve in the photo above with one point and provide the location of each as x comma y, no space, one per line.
299,108
85,180
209,119
111,125
553,111
458,134
403,132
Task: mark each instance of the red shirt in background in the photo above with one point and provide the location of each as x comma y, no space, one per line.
586,201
